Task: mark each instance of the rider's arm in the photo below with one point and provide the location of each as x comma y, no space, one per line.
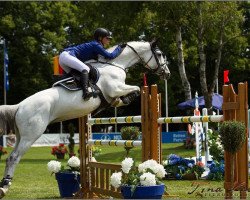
100,50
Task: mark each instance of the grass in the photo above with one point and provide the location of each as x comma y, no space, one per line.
33,181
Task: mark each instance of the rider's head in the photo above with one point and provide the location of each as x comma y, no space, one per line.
103,35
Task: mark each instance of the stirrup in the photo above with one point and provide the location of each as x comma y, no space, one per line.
87,96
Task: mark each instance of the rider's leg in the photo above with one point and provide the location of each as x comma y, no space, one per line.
84,83
68,61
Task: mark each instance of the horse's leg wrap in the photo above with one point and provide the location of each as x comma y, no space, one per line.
6,181
130,97
4,185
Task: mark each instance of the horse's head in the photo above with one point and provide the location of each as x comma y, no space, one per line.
153,58
160,61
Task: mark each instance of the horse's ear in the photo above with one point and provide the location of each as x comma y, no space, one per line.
153,43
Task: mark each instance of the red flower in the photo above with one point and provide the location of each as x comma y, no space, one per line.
2,151
199,163
60,149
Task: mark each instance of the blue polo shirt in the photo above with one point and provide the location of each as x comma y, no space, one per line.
91,50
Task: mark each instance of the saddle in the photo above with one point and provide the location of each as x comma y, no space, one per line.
71,81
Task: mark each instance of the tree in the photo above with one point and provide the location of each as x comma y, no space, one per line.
174,16
218,23
35,33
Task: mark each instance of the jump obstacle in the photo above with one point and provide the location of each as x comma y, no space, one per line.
95,175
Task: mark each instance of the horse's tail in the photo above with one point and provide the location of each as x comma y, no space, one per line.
7,117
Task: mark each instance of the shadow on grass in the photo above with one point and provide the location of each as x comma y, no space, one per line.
37,161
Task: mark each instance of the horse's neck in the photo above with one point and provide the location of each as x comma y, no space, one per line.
128,57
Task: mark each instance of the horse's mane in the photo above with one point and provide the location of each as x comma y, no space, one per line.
131,43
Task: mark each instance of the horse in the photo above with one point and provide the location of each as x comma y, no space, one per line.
31,116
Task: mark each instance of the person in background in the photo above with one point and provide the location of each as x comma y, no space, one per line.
74,57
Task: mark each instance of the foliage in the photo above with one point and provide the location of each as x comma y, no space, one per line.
60,149
178,167
73,165
217,170
71,144
96,151
2,151
148,173
233,135
129,133
215,148
189,142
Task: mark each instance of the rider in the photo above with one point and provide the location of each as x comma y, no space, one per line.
75,56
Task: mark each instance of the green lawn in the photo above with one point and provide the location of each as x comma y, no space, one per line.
33,181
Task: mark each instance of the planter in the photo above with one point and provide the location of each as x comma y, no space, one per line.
143,192
68,183
60,155
190,176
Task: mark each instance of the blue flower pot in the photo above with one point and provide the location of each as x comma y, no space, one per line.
143,192
68,183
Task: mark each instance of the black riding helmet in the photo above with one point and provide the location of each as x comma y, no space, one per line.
102,32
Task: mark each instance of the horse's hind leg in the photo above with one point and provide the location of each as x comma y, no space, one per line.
28,135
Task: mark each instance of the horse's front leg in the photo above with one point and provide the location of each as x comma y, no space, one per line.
125,94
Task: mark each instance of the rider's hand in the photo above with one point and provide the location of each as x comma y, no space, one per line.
123,45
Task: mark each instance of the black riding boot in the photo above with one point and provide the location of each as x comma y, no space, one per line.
84,83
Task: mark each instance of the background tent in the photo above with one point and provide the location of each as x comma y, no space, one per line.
217,101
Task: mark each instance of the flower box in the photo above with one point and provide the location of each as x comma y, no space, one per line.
60,155
68,183
143,192
142,182
68,178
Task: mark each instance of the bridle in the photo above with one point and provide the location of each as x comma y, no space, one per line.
154,50
154,54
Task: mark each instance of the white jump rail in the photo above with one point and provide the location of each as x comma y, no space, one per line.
124,143
115,120
190,119
161,120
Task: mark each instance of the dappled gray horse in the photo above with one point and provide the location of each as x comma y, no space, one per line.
30,117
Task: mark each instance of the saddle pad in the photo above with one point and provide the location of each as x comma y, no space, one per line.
68,83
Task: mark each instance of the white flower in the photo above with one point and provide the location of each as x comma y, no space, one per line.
147,179
165,162
159,171
149,164
115,179
74,162
93,159
127,163
54,166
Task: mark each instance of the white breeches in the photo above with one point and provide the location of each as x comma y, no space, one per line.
68,61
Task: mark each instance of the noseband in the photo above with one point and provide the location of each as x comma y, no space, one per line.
153,50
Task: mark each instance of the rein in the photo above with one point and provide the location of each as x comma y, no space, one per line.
145,63
109,64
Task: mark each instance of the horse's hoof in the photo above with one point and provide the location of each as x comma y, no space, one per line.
125,100
2,192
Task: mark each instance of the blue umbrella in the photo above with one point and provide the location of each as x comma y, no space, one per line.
217,101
